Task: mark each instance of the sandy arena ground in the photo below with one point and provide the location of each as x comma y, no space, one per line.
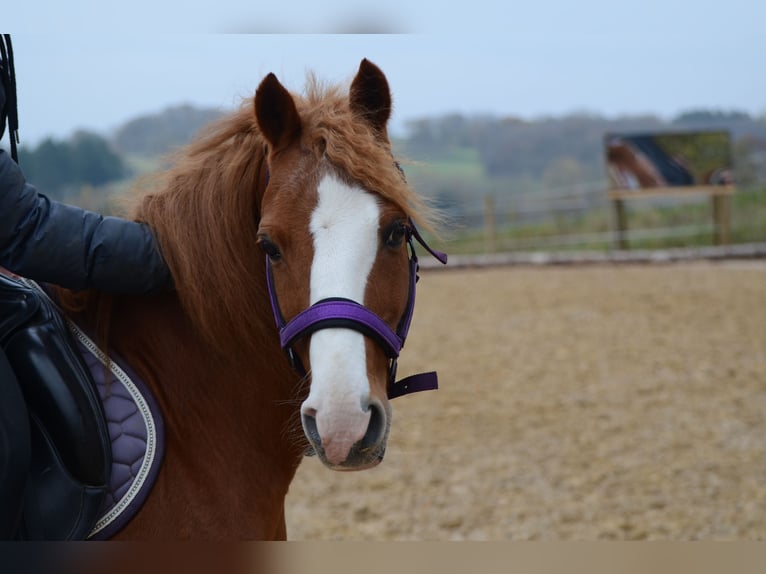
580,403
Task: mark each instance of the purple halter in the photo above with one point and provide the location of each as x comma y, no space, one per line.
338,312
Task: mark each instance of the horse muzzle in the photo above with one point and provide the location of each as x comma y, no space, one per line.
352,439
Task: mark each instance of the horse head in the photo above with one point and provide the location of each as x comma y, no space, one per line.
336,222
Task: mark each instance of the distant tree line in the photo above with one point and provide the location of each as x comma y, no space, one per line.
62,168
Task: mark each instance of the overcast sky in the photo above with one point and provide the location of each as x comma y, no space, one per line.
80,64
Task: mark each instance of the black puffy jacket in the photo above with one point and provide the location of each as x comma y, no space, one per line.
57,243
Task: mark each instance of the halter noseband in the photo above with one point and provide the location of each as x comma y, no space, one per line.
344,313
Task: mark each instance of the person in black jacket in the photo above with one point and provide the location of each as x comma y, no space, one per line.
56,243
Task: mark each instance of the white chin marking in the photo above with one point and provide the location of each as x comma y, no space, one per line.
344,227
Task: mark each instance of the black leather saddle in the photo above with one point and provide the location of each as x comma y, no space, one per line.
71,451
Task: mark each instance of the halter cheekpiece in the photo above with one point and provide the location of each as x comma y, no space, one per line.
337,312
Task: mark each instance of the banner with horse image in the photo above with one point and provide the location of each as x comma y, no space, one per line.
637,162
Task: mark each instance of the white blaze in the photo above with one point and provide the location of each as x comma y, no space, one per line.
344,227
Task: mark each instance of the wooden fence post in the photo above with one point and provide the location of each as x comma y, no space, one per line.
621,221
720,219
490,235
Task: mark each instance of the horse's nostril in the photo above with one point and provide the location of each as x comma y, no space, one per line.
310,427
376,428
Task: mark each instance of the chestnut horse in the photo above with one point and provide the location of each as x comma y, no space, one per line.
311,180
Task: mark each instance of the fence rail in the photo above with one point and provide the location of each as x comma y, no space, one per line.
599,237
754,252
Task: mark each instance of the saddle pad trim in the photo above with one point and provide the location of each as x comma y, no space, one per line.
153,445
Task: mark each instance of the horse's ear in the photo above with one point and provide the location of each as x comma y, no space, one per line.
370,96
276,113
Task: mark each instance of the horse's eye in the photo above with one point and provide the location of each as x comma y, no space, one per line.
269,248
395,235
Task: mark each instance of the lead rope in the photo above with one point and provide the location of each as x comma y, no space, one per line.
11,110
